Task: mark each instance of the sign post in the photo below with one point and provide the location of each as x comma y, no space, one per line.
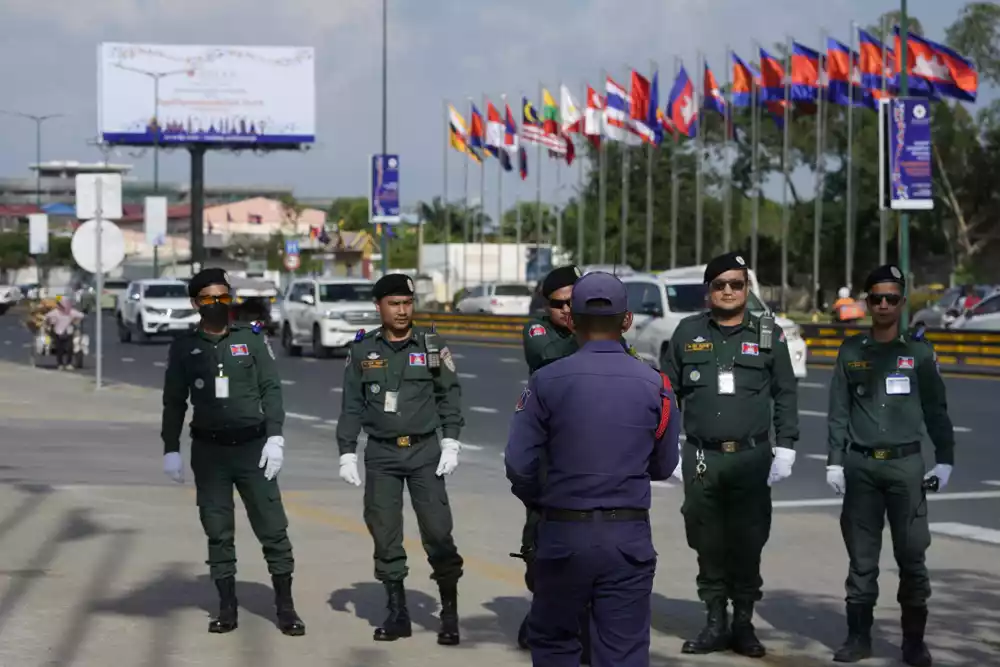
383,199
293,260
156,228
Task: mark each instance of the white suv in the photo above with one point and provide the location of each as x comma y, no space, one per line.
154,308
325,314
659,302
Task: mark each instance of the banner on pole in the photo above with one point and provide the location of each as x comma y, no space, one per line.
383,202
38,234
156,221
905,178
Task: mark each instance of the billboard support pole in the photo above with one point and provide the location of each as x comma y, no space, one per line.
384,241
904,91
197,207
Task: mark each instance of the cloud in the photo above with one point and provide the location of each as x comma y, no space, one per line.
437,50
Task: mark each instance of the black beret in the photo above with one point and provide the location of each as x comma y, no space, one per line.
887,273
731,261
207,277
564,276
393,284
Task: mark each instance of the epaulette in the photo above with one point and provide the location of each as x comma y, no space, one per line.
358,336
918,334
256,326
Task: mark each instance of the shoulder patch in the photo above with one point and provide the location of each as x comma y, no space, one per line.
267,344
256,326
358,336
447,358
523,401
536,330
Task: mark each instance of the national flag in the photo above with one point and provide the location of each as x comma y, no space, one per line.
522,162
477,133
743,82
653,114
805,73
873,70
665,123
532,132
682,105
458,133
615,111
944,70
713,94
510,139
772,77
494,130
572,119
593,117
550,113
642,110
843,73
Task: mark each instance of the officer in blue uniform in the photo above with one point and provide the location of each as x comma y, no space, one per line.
606,424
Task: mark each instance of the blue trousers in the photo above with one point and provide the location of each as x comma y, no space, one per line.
608,565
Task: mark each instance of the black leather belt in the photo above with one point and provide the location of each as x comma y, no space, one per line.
619,514
229,437
729,446
405,440
887,453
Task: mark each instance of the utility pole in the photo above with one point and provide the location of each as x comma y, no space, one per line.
384,240
904,218
38,120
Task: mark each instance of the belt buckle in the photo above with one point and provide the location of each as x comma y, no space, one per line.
729,446
881,454
403,441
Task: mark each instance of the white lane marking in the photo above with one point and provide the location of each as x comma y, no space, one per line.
479,408
128,360
339,390
325,427
812,385
458,355
992,482
962,429
287,382
309,360
816,457
662,484
509,360
296,415
467,376
159,364
332,422
524,382
834,502
819,413
6,342
965,531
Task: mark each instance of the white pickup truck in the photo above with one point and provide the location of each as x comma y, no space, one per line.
325,314
659,302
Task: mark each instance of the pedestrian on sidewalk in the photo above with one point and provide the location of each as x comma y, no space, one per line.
886,389
734,379
603,424
228,372
401,385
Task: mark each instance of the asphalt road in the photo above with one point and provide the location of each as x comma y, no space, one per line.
494,374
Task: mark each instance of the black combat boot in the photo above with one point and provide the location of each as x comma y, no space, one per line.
288,621
858,644
915,652
744,639
448,634
397,623
226,621
715,635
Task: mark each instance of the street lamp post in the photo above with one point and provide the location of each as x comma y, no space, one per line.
384,241
38,146
904,90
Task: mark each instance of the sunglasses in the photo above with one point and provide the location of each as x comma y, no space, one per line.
735,285
558,304
877,298
208,300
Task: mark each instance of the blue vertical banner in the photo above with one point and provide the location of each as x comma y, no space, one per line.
909,127
383,203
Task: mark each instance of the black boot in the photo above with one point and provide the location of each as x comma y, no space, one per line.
397,623
522,635
715,635
744,639
226,621
858,644
288,621
448,634
915,652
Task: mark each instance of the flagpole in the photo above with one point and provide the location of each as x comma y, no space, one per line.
500,170
785,213
465,218
447,208
623,223
649,174
602,184
699,221
482,205
517,199
727,198
820,129
755,119
883,220
559,230
849,223
538,197
675,183
581,200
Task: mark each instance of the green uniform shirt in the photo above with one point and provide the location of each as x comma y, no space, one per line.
196,359
700,348
426,399
871,405
544,343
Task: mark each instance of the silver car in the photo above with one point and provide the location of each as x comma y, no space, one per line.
943,312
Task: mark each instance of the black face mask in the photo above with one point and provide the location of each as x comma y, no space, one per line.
215,315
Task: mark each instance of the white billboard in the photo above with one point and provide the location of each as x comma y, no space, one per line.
234,95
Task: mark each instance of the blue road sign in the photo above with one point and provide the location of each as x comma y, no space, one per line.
291,246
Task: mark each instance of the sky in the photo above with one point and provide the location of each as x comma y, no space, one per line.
438,50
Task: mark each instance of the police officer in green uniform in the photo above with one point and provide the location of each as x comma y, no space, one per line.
228,372
549,337
729,369
401,386
886,387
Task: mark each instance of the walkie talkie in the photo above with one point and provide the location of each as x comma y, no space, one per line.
766,340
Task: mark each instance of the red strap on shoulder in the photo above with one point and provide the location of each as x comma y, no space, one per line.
664,408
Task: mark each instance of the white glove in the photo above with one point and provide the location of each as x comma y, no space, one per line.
173,466
449,456
349,469
781,467
943,472
272,456
835,478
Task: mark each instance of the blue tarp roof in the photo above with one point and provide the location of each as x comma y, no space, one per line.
60,209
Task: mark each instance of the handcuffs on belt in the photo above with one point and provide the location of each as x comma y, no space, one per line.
700,468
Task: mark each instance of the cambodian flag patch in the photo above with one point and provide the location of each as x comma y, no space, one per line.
904,362
240,350
753,349
418,359
536,330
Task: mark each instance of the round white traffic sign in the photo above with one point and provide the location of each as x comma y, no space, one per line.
84,246
292,262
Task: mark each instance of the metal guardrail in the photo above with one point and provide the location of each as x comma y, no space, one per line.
967,352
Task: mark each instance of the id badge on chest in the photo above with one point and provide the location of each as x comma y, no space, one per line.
391,401
221,385
727,382
897,384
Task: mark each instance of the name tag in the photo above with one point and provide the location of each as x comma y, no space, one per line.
222,387
897,384
727,383
391,401
859,364
373,363
698,347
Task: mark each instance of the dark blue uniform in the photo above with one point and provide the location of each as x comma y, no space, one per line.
593,418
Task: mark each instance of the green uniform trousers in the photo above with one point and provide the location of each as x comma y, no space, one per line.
727,518
388,468
217,469
876,488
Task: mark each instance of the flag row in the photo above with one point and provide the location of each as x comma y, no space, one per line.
797,83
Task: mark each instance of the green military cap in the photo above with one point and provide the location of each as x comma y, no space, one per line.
564,276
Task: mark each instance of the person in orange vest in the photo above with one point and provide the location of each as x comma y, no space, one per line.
846,309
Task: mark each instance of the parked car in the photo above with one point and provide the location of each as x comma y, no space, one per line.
943,312
984,316
325,314
154,308
497,299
